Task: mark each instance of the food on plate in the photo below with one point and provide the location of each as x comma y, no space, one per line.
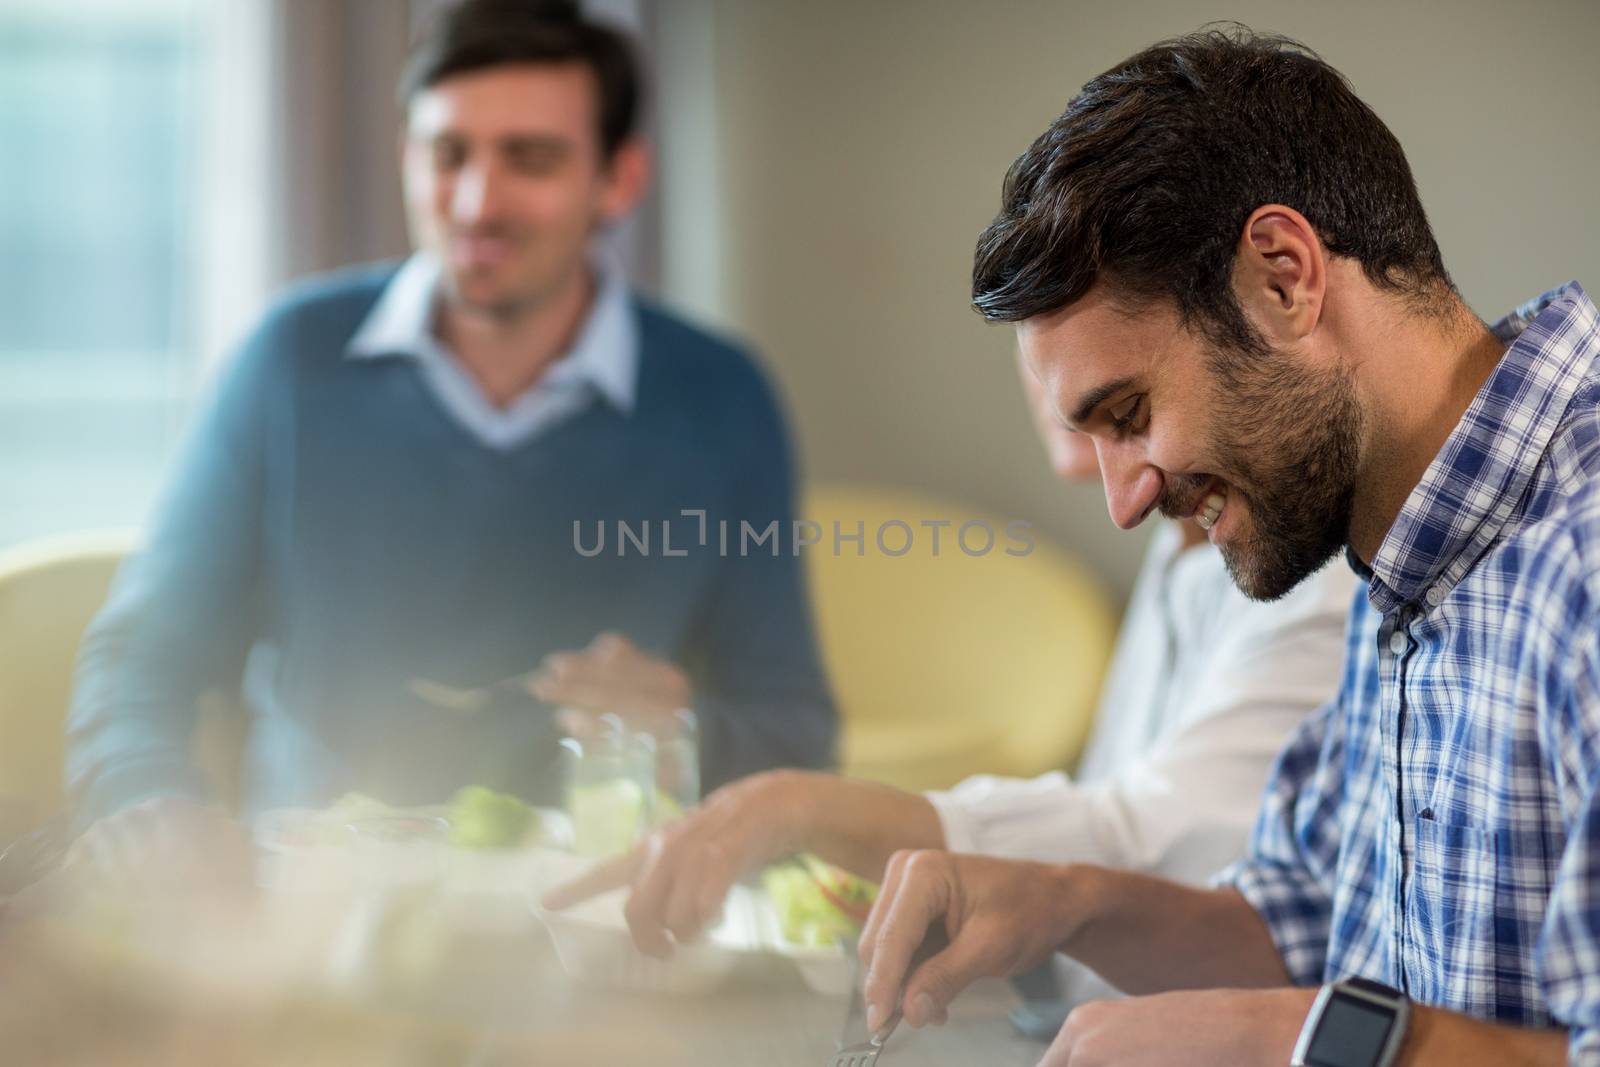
481,818
816,902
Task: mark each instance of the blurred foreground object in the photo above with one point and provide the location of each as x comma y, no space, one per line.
49,590
948,664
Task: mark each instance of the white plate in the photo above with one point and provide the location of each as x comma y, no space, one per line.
594,946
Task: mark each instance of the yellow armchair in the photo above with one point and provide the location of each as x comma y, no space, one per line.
952,664
49,591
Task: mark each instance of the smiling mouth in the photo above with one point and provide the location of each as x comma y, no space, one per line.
1210,506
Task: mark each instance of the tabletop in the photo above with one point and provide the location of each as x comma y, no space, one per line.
763,1014
185,980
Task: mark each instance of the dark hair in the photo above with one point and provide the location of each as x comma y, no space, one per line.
475,34
1147,178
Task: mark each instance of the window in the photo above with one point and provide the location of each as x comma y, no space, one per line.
97,360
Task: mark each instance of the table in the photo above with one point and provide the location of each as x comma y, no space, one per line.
763,1015
217,985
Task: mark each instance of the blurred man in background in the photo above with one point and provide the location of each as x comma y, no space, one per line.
1205,688
385,500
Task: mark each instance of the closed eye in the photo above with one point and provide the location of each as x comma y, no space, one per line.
1123,418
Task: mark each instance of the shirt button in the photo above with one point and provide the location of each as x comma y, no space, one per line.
1398,642
1434,595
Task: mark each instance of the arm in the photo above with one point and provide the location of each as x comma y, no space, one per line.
1003,917
180,614
1247,1028
680,876
1142,933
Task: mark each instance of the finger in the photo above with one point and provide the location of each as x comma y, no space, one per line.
610,645
680,911
602,877
558,665
646,907
575,722
582,694
919,900
702,885
887,891
934,984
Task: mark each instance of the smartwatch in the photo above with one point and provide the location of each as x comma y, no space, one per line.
1354,1023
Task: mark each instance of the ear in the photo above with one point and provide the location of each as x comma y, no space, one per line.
626,179
1281,273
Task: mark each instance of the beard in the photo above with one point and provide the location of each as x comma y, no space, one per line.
1292,449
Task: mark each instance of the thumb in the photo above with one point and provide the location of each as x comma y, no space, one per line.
609,643
936,982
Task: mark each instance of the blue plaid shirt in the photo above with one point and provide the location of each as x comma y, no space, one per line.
1436,827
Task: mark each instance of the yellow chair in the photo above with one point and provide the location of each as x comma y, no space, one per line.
955,664
49,591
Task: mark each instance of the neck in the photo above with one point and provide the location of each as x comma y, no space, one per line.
1419,380
508,352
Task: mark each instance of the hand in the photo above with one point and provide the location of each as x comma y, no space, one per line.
164,845
612,676
682,872
1211,1028
1002,917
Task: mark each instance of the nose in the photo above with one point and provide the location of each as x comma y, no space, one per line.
476,192
1133,484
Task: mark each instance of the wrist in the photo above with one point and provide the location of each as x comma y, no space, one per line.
803,805
1080,894
1281,1025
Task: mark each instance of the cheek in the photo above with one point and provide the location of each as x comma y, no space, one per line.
557,206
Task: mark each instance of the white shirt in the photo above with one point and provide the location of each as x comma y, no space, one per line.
1204,689
603,361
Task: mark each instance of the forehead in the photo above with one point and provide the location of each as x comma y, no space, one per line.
548,99
1097,340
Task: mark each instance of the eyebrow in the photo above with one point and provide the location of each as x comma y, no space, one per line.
1095,397
542,141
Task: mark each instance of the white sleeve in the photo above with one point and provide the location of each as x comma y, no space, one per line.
1185,808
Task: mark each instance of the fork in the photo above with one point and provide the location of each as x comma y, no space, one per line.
865,1053
466,701
862,1053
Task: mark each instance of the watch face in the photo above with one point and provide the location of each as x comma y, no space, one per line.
1351,1033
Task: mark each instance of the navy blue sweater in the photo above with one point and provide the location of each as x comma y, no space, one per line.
331,534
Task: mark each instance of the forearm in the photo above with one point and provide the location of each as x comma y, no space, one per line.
1146,935
1446,1039
858,825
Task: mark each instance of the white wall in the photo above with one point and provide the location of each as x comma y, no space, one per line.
829,211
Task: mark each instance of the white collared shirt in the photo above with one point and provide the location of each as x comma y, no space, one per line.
1205,688
602,363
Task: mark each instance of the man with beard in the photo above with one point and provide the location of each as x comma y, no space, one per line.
1218,265
382,502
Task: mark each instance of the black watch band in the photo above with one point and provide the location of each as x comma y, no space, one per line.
1355,1022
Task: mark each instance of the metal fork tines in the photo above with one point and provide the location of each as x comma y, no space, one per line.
865,1053
862,1053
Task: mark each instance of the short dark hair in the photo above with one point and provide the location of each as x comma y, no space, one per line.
476,34
1147,178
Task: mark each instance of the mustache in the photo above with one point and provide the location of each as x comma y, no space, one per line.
496,230
1182,494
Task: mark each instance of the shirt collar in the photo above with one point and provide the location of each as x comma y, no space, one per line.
604,355
1474,484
